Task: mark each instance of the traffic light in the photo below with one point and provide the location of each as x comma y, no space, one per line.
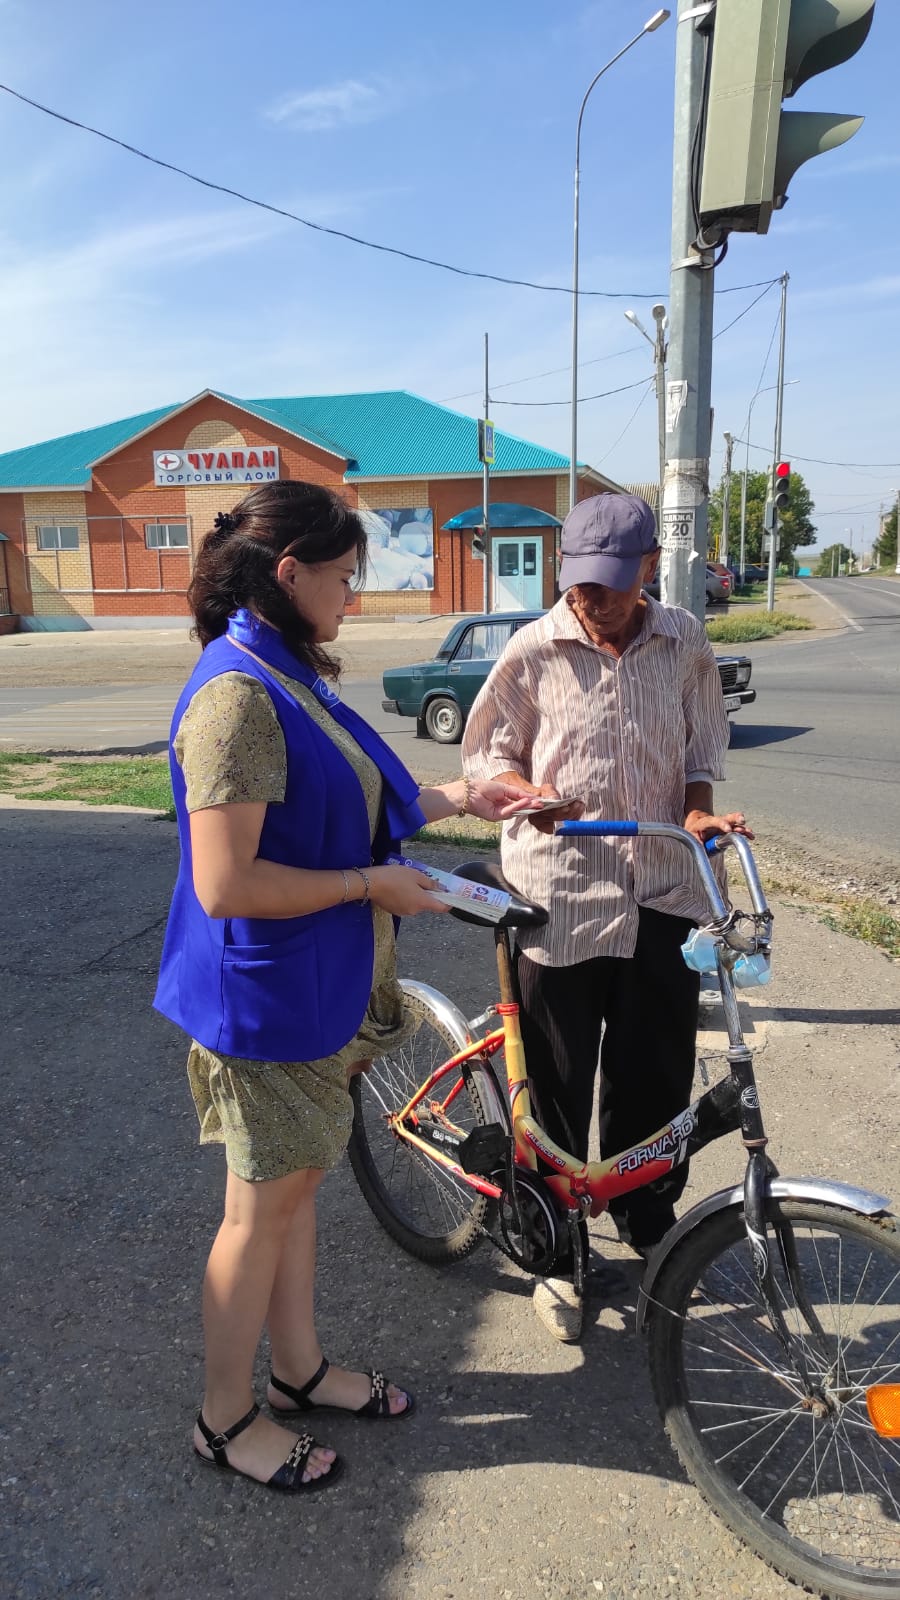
781,485
478,542
761,53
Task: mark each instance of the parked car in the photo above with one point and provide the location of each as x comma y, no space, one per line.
718,586
439,693
752,574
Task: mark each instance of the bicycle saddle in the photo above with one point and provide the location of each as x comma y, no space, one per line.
521,913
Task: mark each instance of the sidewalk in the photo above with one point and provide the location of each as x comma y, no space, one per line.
531,1468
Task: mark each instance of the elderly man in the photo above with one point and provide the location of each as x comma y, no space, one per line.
614,699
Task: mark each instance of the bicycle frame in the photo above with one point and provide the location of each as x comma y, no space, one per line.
590,1186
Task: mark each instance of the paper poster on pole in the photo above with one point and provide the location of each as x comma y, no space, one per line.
676,400
678,525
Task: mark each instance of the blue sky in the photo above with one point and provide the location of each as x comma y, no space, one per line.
447,131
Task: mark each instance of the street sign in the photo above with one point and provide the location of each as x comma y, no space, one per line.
485,442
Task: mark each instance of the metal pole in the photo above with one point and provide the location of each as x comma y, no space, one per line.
779,409
659,356
726,501
686,495
897,562
650,26
486,581
743,561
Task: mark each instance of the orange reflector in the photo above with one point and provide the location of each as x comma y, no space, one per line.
883,1401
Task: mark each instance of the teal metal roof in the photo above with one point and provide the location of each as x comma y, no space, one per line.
64,463
394,434
391,434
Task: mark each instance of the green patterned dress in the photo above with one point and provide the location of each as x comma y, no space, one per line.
275,1118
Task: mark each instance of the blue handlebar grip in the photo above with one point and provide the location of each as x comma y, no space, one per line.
611,829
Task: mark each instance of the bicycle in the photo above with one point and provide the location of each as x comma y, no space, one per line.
771,1308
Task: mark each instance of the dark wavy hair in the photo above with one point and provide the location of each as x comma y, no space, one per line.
236,562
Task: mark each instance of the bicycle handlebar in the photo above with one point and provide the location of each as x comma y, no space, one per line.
701,853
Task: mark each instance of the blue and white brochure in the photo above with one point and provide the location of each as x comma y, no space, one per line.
460,894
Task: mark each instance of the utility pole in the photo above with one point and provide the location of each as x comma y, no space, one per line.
659,360
688,424
779,409
897,528
486,578
726,500
743,561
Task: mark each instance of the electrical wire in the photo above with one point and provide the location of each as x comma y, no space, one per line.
582,398
339,233
552,372
745,310
819,461
627,425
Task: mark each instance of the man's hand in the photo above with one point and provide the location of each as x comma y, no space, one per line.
544,824
704,826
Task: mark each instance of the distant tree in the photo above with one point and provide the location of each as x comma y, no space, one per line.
831,560
885,547
795,528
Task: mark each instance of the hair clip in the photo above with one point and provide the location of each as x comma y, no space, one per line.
224,522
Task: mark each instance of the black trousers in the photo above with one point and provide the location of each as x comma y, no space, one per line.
645,1009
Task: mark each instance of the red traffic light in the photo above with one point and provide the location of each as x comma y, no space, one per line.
783,469
782,485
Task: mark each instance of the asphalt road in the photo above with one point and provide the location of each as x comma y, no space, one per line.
817,757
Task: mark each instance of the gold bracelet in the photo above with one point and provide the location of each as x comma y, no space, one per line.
467,796
346,896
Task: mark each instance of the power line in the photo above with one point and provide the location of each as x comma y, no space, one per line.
339,233
552,372
633,349
618,441
582,399
818,461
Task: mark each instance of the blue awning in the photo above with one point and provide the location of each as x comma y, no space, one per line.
503,515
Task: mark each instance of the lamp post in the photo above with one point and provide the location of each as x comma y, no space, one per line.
897,561
746,473
659,362
654,22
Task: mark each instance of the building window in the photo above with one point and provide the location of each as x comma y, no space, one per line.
63,537
166,535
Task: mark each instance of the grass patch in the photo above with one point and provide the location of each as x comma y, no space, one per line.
866,919
466,833
129,781
755,625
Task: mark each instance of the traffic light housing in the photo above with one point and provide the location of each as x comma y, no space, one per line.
761,53
478,542
781,485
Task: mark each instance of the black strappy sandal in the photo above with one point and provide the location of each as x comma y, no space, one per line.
288,1478
377,1405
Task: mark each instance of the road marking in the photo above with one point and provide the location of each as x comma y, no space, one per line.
850,621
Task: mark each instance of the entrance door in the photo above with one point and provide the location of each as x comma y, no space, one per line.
518,582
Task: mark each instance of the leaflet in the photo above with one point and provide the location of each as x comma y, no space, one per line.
461,894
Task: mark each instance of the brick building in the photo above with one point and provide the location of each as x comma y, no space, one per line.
97,529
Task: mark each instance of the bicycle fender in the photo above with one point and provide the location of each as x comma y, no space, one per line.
847,1195
454,1020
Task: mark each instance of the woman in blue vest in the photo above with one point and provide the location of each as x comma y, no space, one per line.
279,952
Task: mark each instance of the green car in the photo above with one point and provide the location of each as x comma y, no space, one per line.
440,693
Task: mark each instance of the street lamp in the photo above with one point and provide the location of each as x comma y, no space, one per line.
659,360
768,390
656,21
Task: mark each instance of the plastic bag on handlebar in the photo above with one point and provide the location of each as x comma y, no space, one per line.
749,972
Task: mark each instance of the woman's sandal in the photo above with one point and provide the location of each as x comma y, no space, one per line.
377,1405
289,1476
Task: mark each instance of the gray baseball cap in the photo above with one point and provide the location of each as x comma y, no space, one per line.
604,540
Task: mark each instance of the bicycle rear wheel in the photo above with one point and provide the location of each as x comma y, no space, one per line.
430,1212
816,1495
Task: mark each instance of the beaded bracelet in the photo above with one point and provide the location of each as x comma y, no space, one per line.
467,796
365,878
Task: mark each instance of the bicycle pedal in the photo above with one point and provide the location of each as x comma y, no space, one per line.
484,1149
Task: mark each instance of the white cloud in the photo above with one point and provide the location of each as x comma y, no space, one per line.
336,105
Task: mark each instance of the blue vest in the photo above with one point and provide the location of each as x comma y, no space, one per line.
296,988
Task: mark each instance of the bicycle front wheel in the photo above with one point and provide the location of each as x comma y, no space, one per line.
433,1214
812,1488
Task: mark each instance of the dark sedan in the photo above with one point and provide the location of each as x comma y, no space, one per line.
439,693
